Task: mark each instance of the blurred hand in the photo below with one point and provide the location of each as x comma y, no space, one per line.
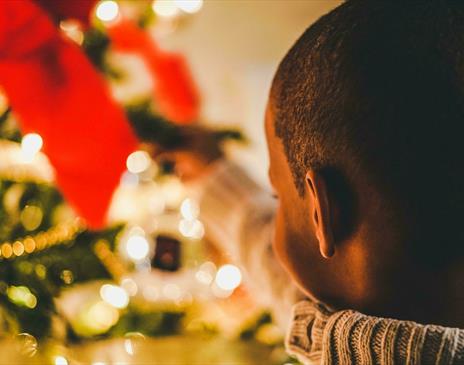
200,148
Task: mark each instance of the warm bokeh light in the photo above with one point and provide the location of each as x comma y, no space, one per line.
189,6
132,341
114,295
206,273
191,228
137,247
99,317
138,162
31,217
228,277
21,295
72,30
130,286
31,144
165,8
60,360
107,11
189,209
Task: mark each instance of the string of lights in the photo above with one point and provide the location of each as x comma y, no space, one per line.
60,234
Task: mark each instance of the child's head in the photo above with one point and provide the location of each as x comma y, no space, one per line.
364,125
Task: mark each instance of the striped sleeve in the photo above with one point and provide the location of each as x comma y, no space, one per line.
348,337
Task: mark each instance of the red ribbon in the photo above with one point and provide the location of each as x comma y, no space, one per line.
54,91
175,92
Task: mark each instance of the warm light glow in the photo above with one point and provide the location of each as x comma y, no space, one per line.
29,245
219,292
191,228
31,217
173,192
101,316
206,273
30,146
137,247
28,344
60,360
165,8
189,6
189,209
21,295
132,341
130,286
228,277
114,295
138,162
172,291
107,11
71,28
18,248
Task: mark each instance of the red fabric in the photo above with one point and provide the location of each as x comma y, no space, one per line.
54,91
175,92
68,9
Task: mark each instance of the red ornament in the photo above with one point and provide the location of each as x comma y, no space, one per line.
54,91
175,92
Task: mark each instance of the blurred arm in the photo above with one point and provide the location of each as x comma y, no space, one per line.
238,215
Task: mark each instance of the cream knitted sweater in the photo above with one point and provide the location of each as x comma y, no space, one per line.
239,217
317,336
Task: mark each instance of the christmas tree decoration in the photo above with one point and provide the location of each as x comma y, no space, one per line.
176,94
103,252
167,256
65,99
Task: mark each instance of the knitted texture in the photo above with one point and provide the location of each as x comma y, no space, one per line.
348,337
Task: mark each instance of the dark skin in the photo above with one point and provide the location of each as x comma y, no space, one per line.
347,253
366,269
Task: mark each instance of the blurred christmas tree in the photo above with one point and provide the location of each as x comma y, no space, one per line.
147,271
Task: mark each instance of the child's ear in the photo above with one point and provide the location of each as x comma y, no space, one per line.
322,212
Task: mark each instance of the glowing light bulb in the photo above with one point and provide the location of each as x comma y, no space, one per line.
107,11
31,144
137,247
189,209
114,295
189,6
165,8
138,162
100,317
228,277
60,360
206,272
191,228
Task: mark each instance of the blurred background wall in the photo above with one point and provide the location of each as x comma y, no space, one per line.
234,48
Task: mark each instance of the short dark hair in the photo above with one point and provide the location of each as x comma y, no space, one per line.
378,87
